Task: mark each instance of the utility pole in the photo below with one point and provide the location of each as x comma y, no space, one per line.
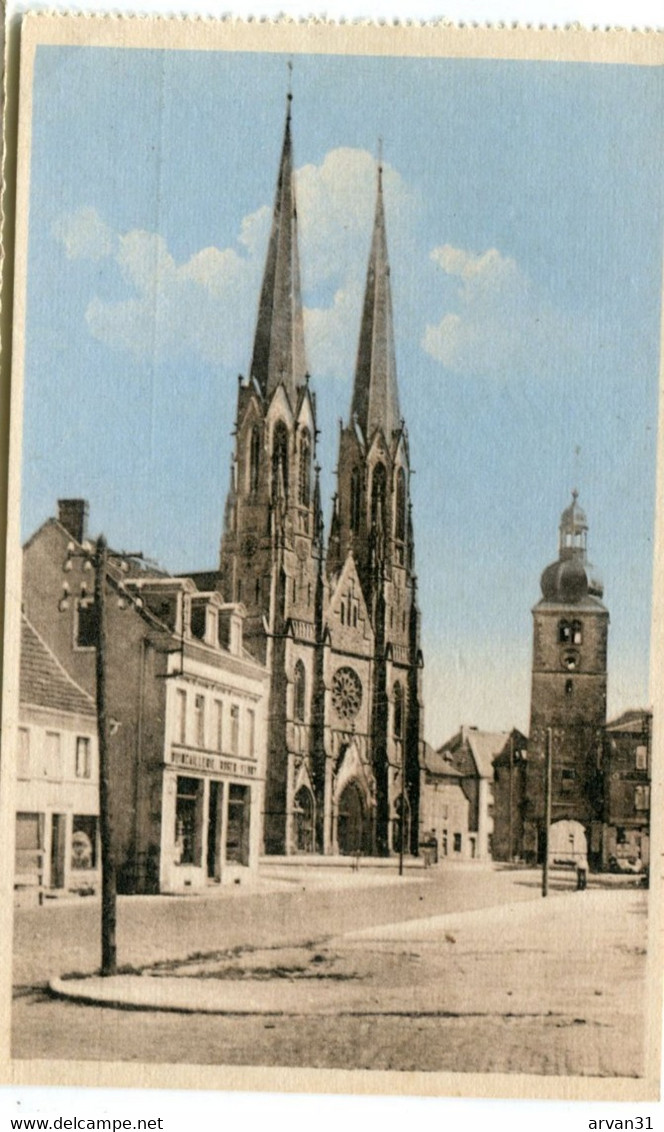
108,876
547,812
510,850
98,557
402,824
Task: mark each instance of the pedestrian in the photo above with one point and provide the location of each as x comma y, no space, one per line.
581,872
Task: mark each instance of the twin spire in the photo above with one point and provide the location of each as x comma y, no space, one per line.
279,355
279,342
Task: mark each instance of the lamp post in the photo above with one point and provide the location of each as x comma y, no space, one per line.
98,558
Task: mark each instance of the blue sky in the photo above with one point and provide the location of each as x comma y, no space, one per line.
524,207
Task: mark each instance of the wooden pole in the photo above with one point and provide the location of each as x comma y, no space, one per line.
402,831
547,812
510,848
108,878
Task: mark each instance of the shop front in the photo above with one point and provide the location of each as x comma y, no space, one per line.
210,820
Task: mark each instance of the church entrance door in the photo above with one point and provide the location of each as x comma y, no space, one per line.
352,825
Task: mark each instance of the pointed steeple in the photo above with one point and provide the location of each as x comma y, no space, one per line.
279,343
375,396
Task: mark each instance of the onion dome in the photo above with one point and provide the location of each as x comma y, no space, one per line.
572,578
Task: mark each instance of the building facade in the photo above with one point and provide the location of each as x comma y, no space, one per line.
568,700
444,806
57,776
186,705
627,776
338,627
470,754
509,792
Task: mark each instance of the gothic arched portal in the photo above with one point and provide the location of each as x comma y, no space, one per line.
353,822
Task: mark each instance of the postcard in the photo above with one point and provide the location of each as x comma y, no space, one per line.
332,682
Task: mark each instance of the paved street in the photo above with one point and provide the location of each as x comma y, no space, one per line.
444,970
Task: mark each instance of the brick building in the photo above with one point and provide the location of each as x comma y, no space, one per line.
186,708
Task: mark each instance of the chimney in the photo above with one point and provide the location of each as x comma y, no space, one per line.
73,515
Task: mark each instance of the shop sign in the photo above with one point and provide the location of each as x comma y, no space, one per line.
215,764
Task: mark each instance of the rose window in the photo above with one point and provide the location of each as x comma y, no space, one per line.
346,693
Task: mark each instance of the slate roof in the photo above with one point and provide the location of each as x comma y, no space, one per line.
436,763
43,680
485,745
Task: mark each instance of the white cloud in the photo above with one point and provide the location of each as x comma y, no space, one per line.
503,325
84,235
208,303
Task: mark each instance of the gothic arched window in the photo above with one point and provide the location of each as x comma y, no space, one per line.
304,469
400,507
279,457
355,500
378,481
299,691
398,711
254,459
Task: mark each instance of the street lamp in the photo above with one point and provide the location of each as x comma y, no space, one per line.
96,558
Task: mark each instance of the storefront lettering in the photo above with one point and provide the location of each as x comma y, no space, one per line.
216,764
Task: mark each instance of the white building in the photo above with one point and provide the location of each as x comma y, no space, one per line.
57,787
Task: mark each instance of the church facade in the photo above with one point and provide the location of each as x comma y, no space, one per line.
338,625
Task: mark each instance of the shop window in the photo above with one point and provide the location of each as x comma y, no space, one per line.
29,843
180,716
199,717
237,827
23,754
235,729
188,821
641,754
84,842
219,724
641,797
52,755
457,843
86,624
83,762
251,733
299,691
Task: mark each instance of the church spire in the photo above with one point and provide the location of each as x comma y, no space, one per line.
279,343
375,397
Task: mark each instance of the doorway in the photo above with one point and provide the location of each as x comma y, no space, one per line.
352,824
58,834
214,832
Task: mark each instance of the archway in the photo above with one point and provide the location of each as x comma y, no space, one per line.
353,833
304,821
567,842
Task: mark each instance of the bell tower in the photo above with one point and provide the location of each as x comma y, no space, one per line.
569,680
